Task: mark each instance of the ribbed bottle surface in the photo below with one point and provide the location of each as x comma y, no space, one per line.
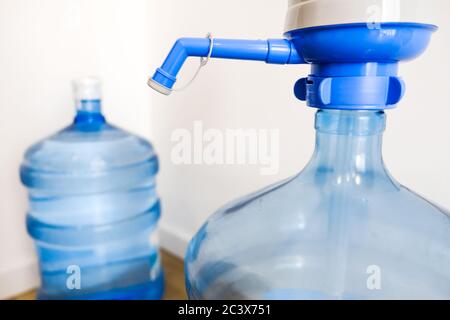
93,208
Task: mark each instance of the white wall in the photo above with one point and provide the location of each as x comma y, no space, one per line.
231,94
45,43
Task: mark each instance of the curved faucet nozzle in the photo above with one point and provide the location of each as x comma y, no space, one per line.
273,51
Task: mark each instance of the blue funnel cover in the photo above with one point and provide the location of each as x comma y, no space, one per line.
362,42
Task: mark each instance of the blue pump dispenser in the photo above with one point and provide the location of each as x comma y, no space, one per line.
341,56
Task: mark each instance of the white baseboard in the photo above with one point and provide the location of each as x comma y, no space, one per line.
173,240
19,279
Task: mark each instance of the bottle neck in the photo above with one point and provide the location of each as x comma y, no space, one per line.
348,143
89,111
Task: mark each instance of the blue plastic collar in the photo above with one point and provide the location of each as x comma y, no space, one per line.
356,92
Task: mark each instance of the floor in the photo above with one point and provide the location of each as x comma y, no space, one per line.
173,271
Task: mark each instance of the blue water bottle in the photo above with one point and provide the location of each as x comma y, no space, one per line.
94,208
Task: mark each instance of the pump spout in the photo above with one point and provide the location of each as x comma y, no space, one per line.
274,51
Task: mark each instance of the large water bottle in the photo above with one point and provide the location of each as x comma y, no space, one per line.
343,228
93,208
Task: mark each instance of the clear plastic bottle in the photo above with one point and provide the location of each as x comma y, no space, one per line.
343,228
93,208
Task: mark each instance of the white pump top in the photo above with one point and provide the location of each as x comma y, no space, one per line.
87,88
312,13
